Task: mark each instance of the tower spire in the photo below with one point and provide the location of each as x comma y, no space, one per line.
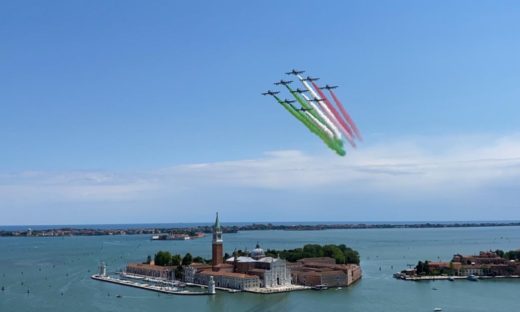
217,248
217,223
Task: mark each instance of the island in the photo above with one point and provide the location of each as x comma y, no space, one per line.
258,271
181,232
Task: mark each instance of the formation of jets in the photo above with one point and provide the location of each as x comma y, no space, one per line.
298,73
325,117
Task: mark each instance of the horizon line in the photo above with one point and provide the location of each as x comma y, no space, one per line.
270,222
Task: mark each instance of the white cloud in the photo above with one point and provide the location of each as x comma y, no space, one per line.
454,169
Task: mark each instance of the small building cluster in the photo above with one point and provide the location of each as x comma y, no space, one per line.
486,263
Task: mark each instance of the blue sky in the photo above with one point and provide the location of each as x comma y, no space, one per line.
133,111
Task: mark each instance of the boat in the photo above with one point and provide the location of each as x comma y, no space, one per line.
437,309
320,287
472,278
451,279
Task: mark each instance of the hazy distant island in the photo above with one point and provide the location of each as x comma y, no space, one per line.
195,231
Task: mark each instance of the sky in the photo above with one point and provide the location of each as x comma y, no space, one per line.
150,111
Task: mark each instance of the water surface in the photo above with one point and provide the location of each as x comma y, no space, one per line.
56,271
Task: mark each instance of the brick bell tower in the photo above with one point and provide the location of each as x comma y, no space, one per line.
217,247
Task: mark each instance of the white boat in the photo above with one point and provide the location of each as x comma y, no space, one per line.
437,309
320,287
472,278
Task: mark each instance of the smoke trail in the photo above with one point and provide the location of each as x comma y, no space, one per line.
315,113
344,125
328,122
326,108
319,124
346,115
313,128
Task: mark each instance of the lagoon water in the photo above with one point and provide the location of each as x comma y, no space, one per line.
56,271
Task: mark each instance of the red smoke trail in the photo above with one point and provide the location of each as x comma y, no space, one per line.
346,115
349,134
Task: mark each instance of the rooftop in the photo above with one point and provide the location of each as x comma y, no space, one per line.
230,274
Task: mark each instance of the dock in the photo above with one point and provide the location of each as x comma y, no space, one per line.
161,289
230,290
274,290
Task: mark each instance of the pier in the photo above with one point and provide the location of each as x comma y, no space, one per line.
160,289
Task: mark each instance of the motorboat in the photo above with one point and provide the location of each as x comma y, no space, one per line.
472,278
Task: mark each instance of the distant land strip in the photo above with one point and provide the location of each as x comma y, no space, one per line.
72,231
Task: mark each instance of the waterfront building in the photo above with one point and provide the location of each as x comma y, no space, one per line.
272,272
324,271
486,263
144,269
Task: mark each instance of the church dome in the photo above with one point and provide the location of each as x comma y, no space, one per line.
257,253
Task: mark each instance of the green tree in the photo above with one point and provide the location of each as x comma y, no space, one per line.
178,272
512,255
187,260
427,267
351,256
312,250
176,260
335,252
419,267
162,258
198,259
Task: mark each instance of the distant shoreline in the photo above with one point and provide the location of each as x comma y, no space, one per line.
130,230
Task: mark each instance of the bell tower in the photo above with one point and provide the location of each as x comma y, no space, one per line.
217,247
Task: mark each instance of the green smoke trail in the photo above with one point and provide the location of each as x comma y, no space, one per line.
311,126
336,141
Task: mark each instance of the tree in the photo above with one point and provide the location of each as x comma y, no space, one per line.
351,256
335,252
176,260
312,250
163,258
419,267
427,267
198,259
187,260
178,272
512,255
